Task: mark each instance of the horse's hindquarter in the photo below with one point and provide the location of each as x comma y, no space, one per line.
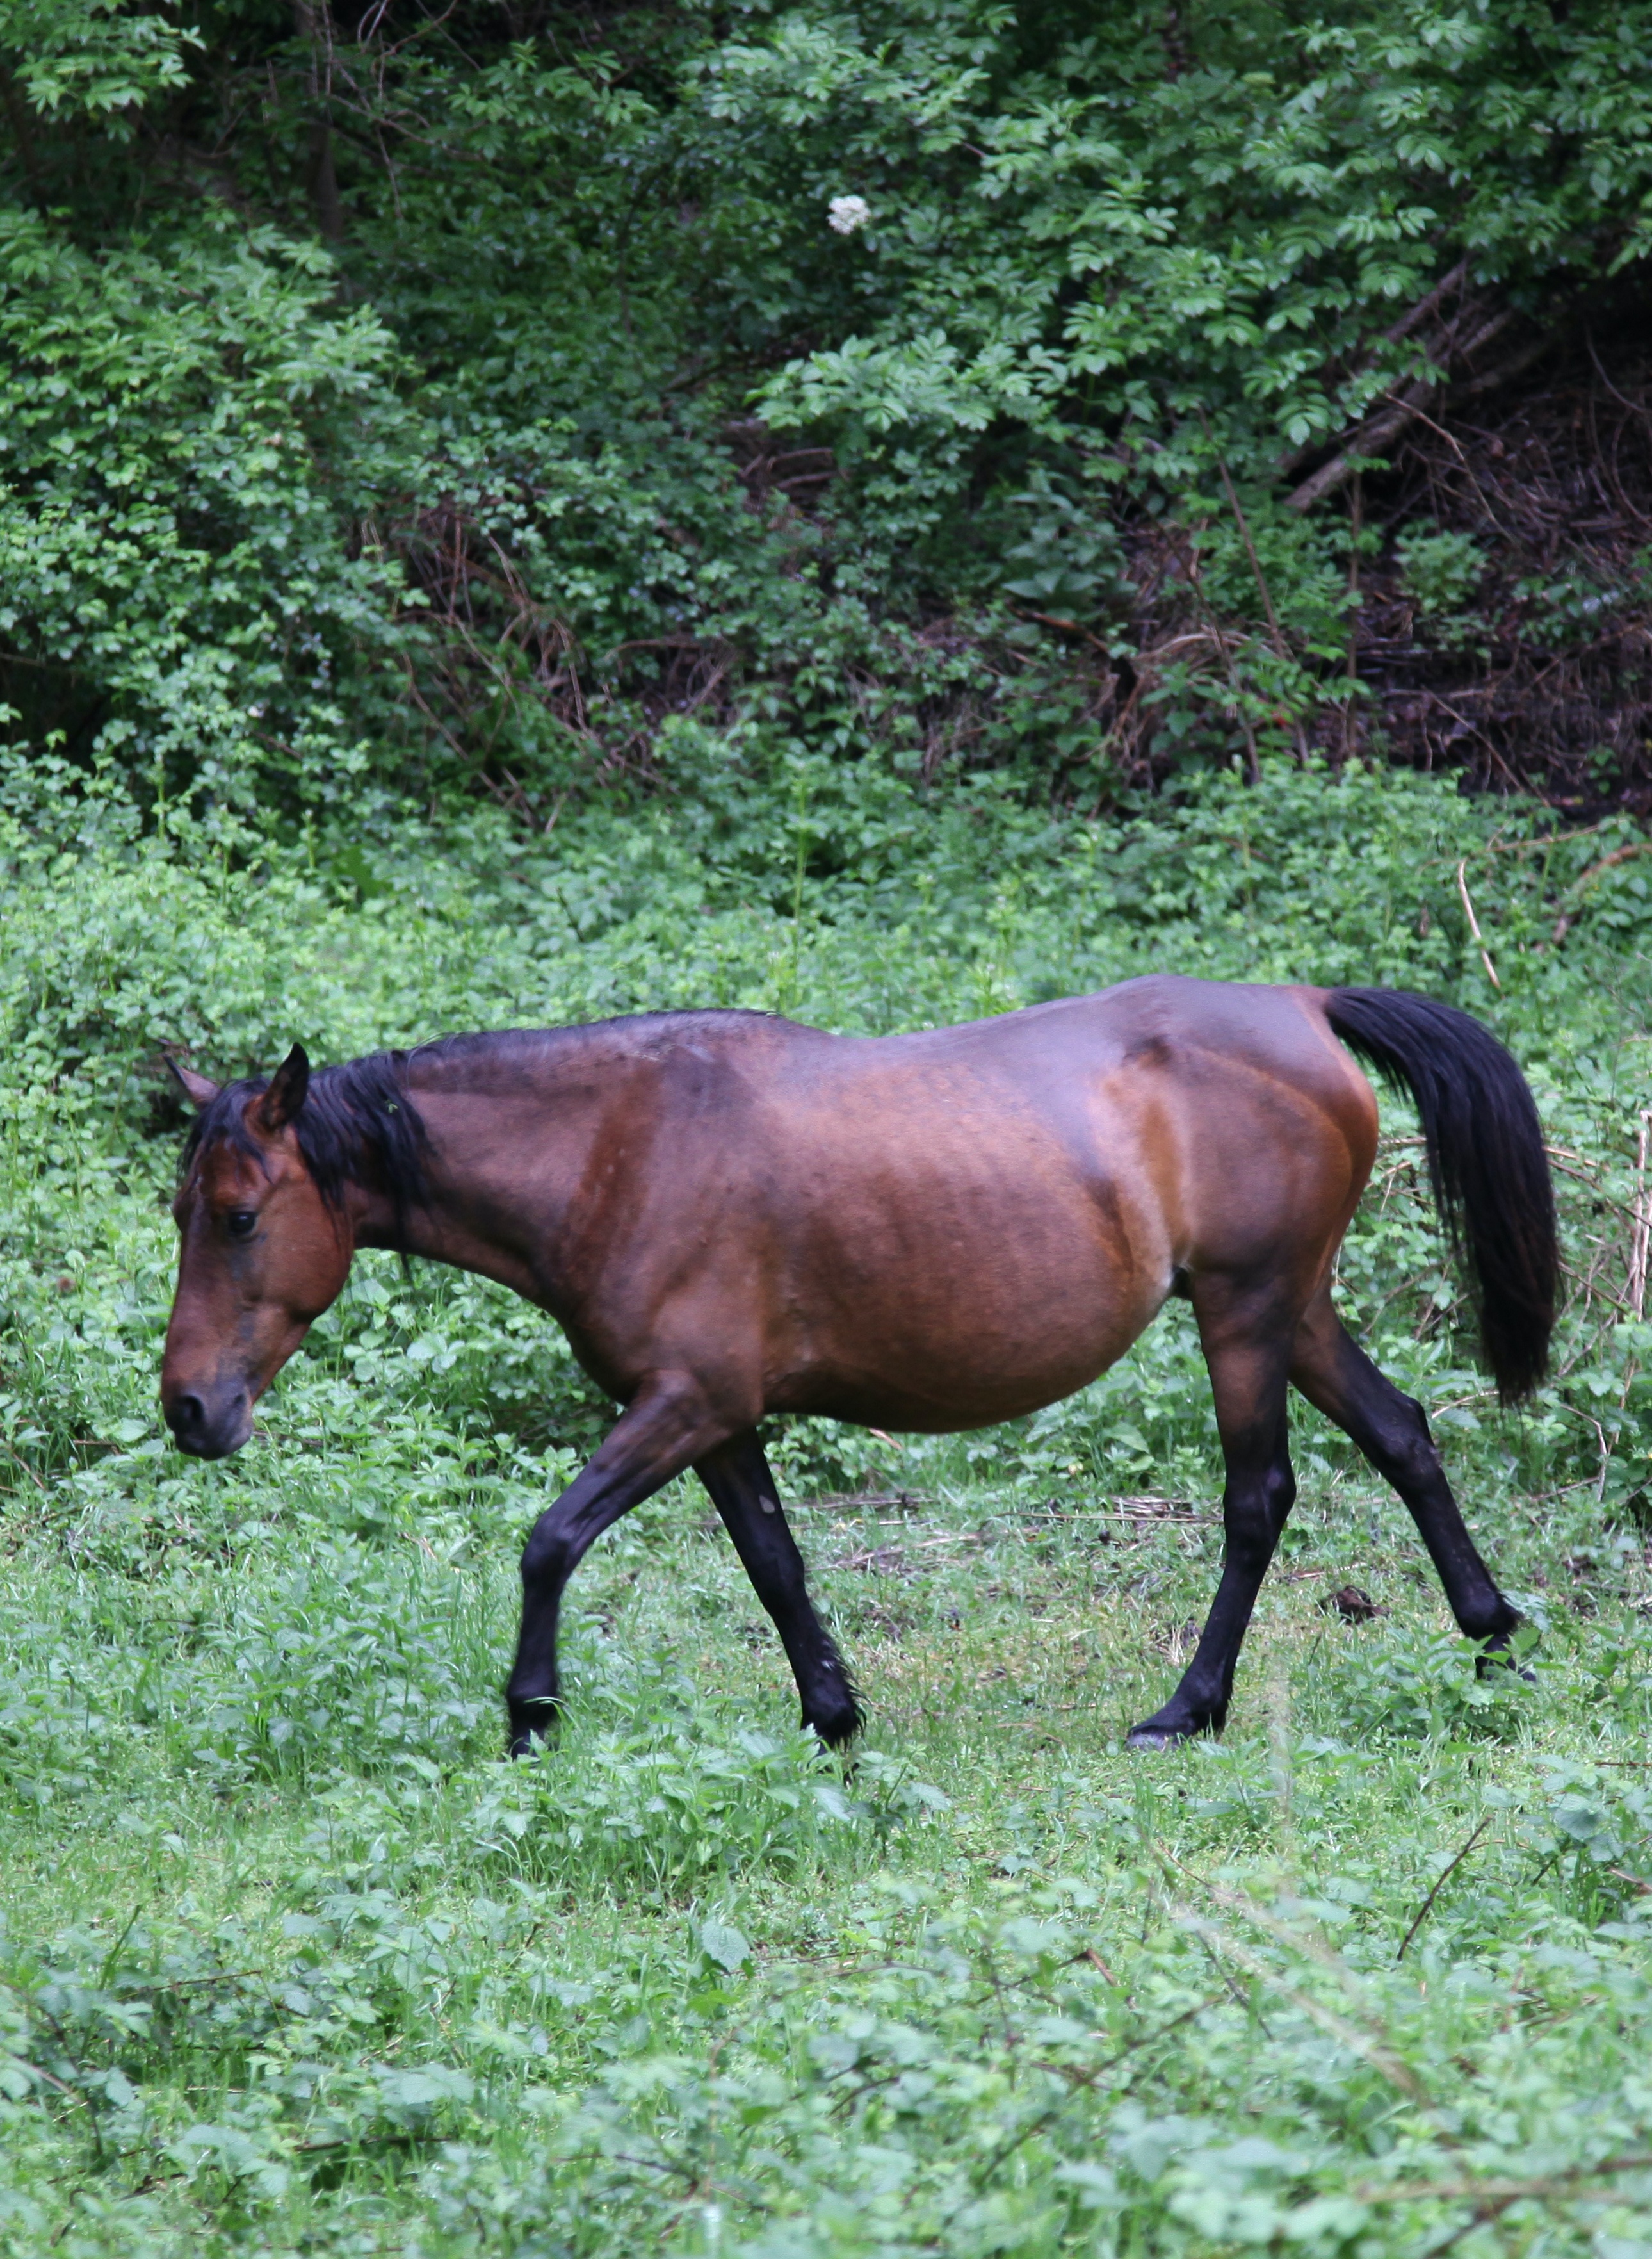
1273,1124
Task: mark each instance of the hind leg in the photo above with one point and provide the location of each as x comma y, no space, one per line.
741,1488
1339,1380
1246,1334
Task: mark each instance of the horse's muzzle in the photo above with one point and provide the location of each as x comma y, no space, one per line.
209,1429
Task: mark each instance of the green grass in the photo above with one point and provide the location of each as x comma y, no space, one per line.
293,1963
295,1960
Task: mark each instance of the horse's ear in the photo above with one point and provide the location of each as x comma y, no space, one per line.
282,1101
196,1088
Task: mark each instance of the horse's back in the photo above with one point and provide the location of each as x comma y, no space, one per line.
1170,1123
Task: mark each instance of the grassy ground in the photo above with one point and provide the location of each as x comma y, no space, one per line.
304,1966
291,1962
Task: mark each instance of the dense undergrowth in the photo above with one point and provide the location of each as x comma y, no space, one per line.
291,1962
452,395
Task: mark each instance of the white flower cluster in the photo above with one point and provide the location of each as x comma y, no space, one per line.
845,214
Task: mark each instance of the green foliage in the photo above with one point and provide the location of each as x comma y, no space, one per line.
1441,570
1428,1685
658,1810
169,537
92,58
379,401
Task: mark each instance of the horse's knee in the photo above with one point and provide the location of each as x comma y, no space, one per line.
1403,1451
547,1561
1254,1512
1279,1489
1248,1533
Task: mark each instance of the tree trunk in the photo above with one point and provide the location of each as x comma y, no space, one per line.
314,26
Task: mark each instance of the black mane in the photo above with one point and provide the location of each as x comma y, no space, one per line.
358,1125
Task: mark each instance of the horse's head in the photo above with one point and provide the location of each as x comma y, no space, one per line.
262,1254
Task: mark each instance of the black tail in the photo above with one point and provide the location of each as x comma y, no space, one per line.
1485,1162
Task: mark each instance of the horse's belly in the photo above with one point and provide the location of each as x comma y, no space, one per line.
941,1403
956,1248
959,1349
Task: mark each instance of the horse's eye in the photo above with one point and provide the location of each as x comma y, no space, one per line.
241,1223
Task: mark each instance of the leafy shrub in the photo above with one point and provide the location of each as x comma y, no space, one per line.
1420,1685
663,1810
1441,570
303,1685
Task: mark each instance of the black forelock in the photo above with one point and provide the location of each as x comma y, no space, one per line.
358,1125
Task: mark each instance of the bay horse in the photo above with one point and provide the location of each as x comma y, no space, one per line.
732,1215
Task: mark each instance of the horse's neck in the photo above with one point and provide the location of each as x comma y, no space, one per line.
511,1149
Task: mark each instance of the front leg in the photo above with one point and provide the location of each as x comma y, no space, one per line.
667,1426
741,1488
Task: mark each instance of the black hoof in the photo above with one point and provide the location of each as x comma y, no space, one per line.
531,1725
1162,1733
838,1728
1494,1659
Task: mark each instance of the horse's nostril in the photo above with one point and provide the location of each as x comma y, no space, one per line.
208,1430
186,1416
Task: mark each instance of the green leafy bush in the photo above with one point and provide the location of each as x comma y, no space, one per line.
1422,1685
380,408
1441,572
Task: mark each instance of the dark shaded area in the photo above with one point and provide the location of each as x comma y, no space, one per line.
1545,683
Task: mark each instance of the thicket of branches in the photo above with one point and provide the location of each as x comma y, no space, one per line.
460,396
